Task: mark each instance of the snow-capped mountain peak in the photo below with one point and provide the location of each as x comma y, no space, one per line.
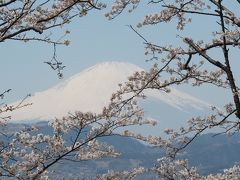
90,90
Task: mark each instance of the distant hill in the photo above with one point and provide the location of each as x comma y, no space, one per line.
213,154
210,154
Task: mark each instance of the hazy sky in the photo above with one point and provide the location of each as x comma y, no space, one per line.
94,39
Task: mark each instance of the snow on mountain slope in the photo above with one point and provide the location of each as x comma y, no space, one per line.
90,90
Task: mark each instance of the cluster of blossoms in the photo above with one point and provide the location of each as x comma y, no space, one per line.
123,174
164,16
119,5
167,168
29,154
17,18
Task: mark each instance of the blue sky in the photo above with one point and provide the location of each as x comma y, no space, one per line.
94,39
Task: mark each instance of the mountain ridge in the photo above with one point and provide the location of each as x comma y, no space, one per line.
209,154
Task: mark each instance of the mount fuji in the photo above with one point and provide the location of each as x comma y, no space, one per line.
91,89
